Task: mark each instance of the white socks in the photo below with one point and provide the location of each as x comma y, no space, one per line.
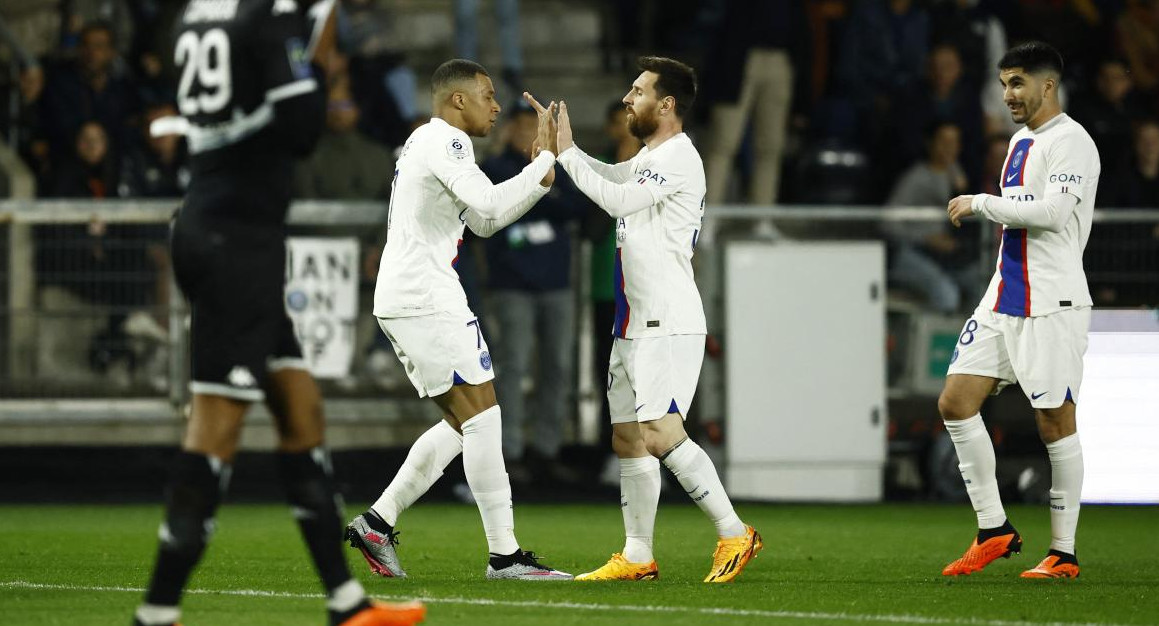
424,464
346,596
150,614
1066,485
976,462
487,477
639,495
697,475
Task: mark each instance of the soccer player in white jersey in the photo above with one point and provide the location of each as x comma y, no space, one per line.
657,199
420,305
1031,326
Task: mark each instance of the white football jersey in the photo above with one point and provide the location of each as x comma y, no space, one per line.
436,180
658,199
1040,272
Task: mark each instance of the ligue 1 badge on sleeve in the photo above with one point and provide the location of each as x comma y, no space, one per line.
485,361
456,149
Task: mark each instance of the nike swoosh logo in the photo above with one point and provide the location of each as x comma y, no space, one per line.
1011,177
640,407
1035,396
693,490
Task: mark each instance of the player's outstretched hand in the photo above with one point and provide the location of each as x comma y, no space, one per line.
564,140
960,208
549,179
545,136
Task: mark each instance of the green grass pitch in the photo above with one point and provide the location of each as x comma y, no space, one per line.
86,565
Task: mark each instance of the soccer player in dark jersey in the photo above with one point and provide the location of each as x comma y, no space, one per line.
250,102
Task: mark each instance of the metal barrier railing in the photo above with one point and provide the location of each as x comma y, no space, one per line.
88,308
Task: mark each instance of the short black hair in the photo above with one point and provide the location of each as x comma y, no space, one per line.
1032,56
674,79
454,71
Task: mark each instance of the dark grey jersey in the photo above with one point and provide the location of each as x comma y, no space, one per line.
250,102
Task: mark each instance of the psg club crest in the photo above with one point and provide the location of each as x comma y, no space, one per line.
485,360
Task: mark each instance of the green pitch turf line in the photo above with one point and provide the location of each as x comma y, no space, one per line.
579,606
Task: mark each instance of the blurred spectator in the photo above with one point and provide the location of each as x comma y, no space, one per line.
507,20
380,79
90,171
1122,258
993,162
88,89
1108,112
943,95
925,256
1137,39
1077,28
155,167
529,271
883,55
346,165
19,104
975,31
761,68
1137,187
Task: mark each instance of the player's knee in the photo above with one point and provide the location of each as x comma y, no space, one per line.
952,407
307,479
657,442
627,445
301,430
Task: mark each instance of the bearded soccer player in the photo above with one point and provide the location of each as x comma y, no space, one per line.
657,199
438,190
1031,326
250,105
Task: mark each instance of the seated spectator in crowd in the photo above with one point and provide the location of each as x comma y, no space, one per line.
1137,40
993,162
90,171
92,87
975,30
1122,258
1108,113
529,271
155,167
927,257
882,55
346,165
1138,186
382,80
943,94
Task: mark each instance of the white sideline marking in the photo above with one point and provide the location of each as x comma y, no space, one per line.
694,610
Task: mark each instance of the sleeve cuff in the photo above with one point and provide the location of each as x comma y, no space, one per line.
978,204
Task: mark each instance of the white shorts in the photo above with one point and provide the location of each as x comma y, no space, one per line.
651,377
1043,354
440,350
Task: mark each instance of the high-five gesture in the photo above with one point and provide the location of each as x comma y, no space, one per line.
564,140
545,135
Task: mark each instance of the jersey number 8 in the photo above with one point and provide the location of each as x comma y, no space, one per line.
205,58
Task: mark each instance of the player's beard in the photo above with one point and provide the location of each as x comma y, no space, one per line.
643,126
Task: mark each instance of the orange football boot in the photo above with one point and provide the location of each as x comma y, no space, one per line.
383,614
1055,565
980,555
